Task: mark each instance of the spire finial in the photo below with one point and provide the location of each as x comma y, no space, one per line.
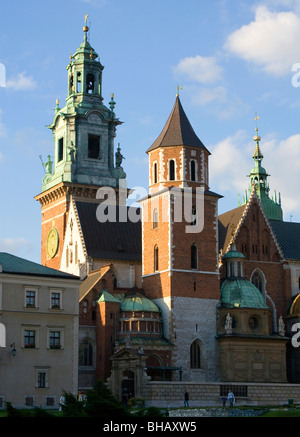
256,137
85,27
178,88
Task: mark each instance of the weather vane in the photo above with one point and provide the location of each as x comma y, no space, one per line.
256,118
178,88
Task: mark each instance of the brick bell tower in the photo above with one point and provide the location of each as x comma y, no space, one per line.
180,246
83,133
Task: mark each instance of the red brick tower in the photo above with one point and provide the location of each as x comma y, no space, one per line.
180,247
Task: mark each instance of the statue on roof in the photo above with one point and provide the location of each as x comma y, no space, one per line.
48,165
228,324
119,156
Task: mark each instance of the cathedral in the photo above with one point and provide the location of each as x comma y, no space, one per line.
170,291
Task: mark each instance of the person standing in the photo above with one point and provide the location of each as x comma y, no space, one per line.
231,398
186,399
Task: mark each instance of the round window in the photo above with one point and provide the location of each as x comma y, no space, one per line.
253,323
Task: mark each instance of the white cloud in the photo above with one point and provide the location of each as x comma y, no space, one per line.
282,161
21,82
16,246
270,41
200,69
203,96
230,162
216,99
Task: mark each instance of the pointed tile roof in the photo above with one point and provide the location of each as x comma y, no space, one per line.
111,240
177,131
288,237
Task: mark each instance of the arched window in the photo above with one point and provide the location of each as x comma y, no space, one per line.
90,83
155,218
193,170
155,173
86,353
171,170
78,83
194,216
155,258
194,256
195,355
258,280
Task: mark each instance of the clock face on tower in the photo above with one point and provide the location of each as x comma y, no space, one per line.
52,242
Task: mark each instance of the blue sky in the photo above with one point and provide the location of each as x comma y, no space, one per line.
232,58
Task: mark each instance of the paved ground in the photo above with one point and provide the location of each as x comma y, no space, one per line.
215,412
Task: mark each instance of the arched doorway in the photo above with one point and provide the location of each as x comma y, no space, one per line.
127,386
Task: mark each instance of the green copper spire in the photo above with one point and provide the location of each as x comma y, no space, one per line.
259,181
84,129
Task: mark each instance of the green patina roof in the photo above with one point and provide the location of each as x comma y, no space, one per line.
233,254
137,303
16,265
242,292
105,296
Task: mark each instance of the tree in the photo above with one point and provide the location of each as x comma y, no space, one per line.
100,402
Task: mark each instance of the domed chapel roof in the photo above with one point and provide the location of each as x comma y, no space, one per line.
138,303
237,291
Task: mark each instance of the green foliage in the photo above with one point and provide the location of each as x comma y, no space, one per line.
72,407
136,402
100,402
11,411
149,412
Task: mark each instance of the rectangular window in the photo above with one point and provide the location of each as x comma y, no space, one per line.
60,150
41,383
42,376
50,401
30,298
54,340
29,401
55,300
94,147
29,338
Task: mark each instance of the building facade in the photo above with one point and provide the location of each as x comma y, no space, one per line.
39,310
156,293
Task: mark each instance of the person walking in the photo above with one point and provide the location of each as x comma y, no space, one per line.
186,399
231,398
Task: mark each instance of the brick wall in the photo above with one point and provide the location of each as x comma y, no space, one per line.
172,393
